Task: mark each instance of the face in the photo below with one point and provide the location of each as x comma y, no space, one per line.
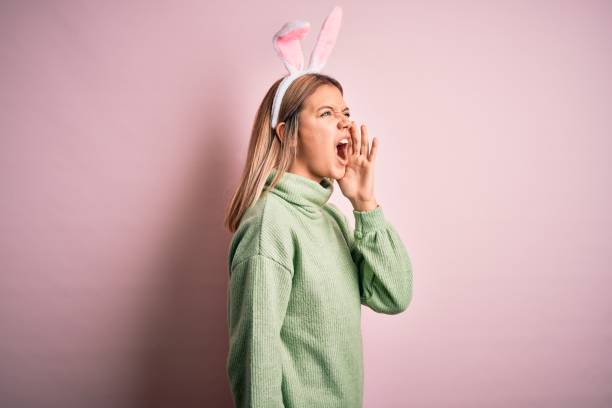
323,122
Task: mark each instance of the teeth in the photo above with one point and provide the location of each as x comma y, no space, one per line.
343,141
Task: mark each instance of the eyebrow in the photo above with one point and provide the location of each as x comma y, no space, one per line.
327,106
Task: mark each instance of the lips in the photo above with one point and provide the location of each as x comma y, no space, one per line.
342,150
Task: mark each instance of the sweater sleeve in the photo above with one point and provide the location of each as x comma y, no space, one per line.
385,270
258,297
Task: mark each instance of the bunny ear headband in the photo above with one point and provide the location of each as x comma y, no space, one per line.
288,47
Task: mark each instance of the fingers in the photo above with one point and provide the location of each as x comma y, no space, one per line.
364,140
373,150
360,143
350,145
355,140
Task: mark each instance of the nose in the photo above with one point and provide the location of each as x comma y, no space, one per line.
344,121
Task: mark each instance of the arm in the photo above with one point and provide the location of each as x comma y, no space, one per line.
258,297
385,270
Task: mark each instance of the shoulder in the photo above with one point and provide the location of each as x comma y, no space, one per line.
265,230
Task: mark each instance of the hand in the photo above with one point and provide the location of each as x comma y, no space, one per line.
358,182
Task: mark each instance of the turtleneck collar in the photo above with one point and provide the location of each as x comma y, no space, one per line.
301,190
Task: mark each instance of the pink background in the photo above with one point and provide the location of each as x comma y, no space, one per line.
123,130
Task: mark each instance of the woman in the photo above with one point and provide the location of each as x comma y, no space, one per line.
298,275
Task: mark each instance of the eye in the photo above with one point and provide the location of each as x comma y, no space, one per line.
347,114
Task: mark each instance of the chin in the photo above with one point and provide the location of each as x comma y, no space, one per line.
337,173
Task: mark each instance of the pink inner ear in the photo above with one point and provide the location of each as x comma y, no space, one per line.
288,46
327,38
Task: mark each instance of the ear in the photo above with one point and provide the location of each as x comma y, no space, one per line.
280,131
288,46
326,40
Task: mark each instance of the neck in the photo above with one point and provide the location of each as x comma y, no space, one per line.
295,168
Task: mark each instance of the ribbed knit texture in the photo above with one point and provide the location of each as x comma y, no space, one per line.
298,278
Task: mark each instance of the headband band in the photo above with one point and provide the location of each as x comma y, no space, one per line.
287,45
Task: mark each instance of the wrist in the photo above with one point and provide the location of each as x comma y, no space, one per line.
364,205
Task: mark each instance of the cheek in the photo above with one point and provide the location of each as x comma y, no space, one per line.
317,140
319,150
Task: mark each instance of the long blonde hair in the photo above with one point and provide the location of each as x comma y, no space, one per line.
267,150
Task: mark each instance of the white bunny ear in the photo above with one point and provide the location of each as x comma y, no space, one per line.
288,46
326,40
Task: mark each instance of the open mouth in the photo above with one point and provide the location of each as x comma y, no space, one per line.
342,150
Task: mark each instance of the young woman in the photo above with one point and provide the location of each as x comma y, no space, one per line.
298,275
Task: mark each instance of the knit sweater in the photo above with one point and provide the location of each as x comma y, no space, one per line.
298,278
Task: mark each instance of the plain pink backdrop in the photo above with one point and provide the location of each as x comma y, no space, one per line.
123,131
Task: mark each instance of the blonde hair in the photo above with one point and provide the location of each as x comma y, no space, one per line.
267,150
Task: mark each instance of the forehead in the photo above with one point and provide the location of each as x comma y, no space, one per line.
325,95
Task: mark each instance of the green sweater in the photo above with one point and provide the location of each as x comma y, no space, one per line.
298,278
